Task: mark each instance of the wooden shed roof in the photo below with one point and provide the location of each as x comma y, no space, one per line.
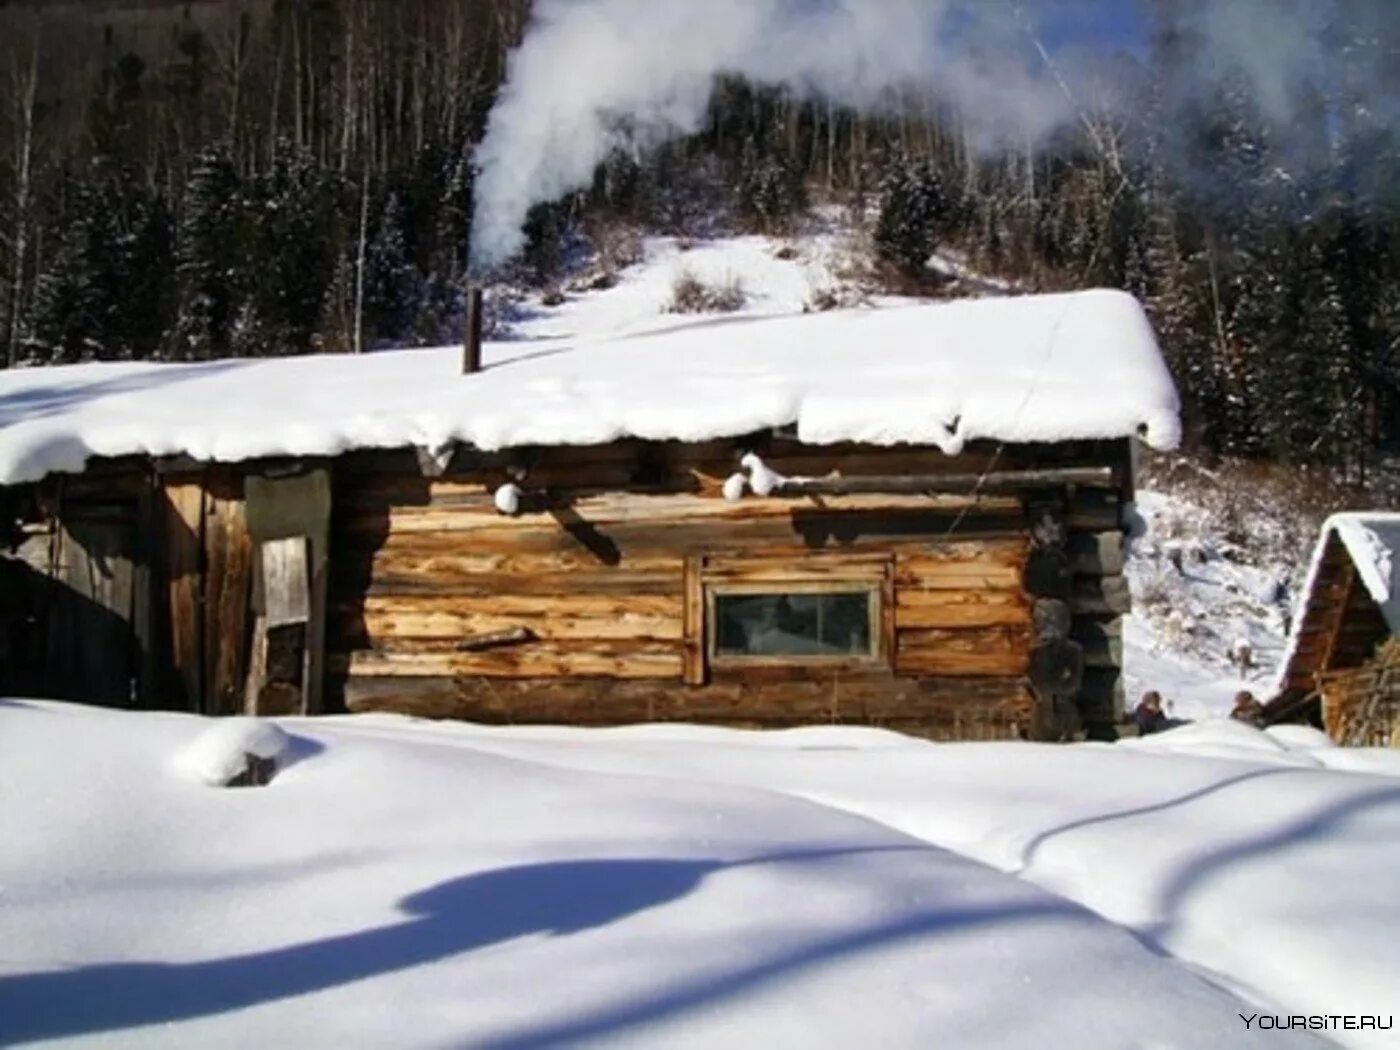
1350,601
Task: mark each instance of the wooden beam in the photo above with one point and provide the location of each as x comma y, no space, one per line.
992,482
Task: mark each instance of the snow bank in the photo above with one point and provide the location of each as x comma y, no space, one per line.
1251,856
668,887
1035,368
220,752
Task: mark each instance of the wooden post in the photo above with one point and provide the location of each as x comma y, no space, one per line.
471,340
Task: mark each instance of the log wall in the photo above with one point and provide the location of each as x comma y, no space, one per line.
588,607
599,583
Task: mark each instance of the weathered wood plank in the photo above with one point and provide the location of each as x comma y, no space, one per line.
89,653
529,605
556,659
947,608
228,590
597,581
286,581
183,530
763,566
291,505
989,651
968,565
392,628
468,562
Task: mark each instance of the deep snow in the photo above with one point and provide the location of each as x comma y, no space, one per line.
427,884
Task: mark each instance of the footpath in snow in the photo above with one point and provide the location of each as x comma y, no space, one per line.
421,884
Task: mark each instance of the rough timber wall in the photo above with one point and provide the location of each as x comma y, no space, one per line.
586,606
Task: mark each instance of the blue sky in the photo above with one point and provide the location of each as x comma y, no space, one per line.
1079,23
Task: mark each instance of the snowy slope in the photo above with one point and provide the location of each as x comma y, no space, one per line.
434,885
1197,597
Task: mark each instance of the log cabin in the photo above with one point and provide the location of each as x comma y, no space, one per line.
906,517
1341,670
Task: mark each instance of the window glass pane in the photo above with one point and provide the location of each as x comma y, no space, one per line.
793,624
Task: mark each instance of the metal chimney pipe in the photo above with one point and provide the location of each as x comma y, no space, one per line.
471,339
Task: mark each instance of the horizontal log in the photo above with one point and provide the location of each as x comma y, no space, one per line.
613,545
1094,510
971,565
915,608
351,582
464,560
492,639
948,708
990,482
390,629
1093,595
761,567
993,651
529,604
691,475
1096,553
602,659
619,508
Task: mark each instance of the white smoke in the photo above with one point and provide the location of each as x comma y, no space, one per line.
595,75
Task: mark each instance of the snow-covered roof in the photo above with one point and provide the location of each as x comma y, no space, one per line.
1372,541
1033,368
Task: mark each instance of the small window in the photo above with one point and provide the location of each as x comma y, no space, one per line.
775,624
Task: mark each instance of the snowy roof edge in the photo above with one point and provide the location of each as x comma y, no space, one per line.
1044,368
1376,555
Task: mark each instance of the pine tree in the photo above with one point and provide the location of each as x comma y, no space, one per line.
391,281
913,207
213,260
769,191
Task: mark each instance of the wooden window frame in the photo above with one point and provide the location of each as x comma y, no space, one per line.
713,577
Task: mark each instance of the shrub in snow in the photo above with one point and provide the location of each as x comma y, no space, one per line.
691,295
235,752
